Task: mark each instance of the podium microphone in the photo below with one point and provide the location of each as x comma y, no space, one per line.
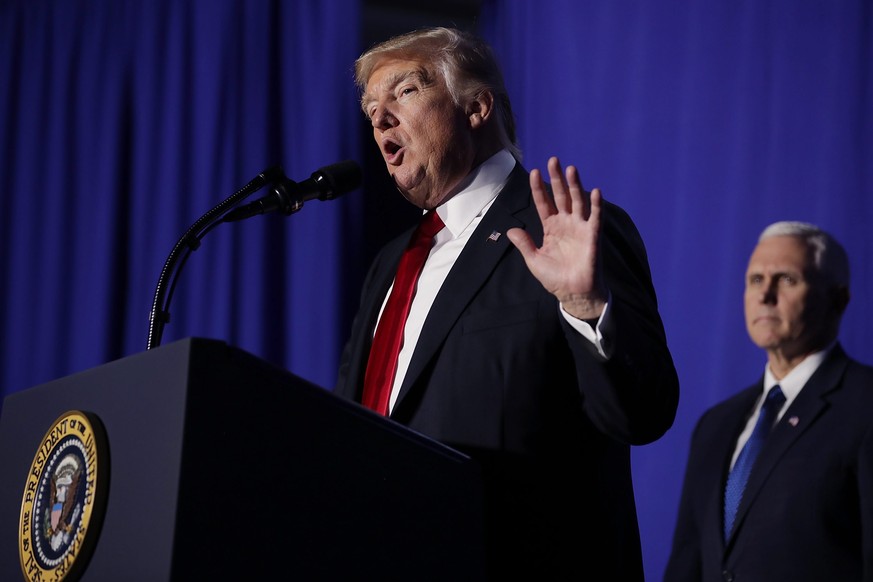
287,196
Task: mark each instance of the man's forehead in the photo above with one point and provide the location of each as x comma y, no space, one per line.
780,253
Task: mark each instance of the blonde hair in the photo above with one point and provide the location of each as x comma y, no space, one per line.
466,63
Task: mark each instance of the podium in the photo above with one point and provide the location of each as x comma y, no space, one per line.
218,466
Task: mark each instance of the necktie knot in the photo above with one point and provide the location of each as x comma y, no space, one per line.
429,226
775,398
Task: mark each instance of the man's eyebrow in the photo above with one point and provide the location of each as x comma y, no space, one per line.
390,82
775,274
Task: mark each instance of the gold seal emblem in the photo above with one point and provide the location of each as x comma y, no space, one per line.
64,499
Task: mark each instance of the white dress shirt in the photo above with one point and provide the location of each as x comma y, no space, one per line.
461,214
791,386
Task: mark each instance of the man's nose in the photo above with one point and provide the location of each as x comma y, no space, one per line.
770,293
383,119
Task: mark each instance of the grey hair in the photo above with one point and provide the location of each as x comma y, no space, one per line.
467,64
829,256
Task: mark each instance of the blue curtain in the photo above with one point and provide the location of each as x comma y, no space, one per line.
706,121
124,121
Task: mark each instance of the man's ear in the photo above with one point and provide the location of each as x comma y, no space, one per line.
480,109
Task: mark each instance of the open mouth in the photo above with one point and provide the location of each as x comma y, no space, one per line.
391,150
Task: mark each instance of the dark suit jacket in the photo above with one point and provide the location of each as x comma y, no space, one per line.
807,511
498,374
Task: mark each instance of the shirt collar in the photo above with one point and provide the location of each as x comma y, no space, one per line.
797,378
477,191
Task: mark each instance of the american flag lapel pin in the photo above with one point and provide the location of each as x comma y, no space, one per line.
793,421
494,236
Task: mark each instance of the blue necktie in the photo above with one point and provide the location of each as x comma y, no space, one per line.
736,482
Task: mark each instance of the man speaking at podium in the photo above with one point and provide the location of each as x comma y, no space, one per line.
518,323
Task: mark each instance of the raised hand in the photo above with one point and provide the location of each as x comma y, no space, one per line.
568,262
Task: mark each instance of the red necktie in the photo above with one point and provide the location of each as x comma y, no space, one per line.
382,365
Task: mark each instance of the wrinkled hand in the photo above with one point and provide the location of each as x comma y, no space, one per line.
568,262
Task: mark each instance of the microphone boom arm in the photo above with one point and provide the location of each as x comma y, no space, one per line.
189,242
286,196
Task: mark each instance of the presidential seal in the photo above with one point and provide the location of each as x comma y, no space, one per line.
64,499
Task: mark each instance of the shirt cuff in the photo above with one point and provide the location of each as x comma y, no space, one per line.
593,333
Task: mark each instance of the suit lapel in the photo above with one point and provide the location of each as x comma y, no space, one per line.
375,289
479,258
806,409
384,276
722,450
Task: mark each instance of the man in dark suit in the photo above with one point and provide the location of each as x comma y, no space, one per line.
533,342
806,510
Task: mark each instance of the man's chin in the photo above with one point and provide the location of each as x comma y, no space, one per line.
766,341
410,192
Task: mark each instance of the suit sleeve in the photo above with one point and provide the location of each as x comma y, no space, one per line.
633,395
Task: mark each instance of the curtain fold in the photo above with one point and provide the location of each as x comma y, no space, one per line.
121,123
